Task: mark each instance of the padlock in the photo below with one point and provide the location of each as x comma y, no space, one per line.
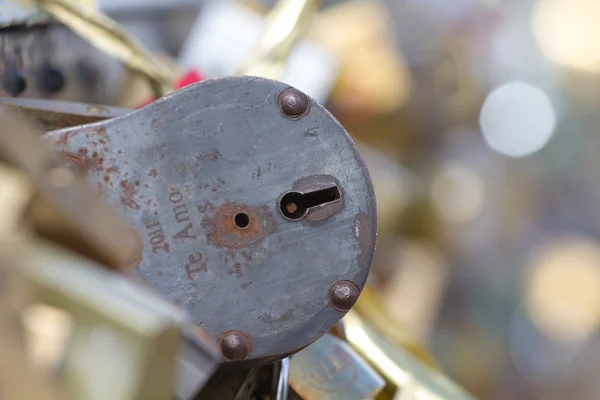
256,210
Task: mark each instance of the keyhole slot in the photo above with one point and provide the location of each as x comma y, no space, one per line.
295,205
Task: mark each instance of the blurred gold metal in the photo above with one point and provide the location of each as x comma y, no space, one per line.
285,23
123,339
373,311
407,378
395,186
374,78
110,37
67,209
411,295
37,179
69,327
18,378
330,369
562,289
135,90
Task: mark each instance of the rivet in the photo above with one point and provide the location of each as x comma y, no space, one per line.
293,103
343,295
235,346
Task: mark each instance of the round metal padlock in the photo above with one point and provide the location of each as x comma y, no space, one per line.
256,210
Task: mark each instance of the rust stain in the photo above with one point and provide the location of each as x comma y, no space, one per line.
85,161
362,232
212,155
153,173
64,139
96,162
130,203
269,319
129,190
222,231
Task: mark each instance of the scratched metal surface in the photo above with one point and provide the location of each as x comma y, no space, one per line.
182,167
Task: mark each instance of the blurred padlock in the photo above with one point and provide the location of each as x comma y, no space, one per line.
330,369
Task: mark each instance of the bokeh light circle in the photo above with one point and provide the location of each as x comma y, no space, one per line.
517,119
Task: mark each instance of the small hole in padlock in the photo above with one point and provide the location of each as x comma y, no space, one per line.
241,220
295,205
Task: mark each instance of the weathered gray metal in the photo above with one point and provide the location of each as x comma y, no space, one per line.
259,225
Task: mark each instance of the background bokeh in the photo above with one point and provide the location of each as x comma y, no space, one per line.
479,121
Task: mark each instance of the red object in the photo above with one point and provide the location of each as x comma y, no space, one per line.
191,76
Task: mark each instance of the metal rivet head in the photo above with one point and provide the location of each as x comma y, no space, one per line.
343,295
235,346
293,103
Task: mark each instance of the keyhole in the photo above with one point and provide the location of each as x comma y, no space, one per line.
295,205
